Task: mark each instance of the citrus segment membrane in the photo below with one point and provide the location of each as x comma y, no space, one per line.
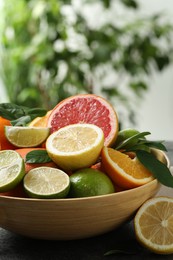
154,225
75,146
21,136
86,108
46,182
12,170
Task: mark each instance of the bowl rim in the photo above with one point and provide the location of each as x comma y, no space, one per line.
118,193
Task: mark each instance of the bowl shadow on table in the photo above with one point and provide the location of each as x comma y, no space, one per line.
123,238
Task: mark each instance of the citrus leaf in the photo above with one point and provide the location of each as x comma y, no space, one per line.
20,115
159,170
138,147
119,251
22,121
157,145
132,140
37,156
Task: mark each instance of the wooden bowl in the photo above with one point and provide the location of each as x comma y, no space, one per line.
65,219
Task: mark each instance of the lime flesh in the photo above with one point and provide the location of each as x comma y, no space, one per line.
12,170
46,183
21,136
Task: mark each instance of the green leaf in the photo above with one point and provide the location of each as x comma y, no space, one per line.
119,251
11,111
20,115
37,156
156,144
159,170
130,3
137,147
129,142
22,121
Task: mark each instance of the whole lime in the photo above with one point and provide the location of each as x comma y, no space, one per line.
125,134
90,182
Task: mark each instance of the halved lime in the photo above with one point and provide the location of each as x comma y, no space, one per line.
46,182
25,136
12,170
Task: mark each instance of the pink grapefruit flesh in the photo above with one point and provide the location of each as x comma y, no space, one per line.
86,108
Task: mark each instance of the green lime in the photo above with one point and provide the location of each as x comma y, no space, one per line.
125,134
46,182
90,182
12,170
25,136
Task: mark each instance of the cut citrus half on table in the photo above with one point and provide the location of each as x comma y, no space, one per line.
24,136
12,170
154,225
75,146
86,108
46,182
123,170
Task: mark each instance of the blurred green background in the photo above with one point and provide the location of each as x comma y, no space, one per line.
52,49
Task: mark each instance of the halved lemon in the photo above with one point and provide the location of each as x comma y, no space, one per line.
154,225
25,136
75,146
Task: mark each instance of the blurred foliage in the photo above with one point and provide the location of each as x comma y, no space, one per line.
51,50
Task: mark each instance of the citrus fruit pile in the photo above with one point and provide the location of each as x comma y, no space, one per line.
70,152
76,150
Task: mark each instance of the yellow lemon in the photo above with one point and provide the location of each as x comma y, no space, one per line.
154,225
75,146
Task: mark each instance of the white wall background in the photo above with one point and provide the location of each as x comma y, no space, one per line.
156,111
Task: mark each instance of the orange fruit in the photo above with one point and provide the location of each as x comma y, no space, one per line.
18,191
40,121
29,166
4,143
86,108
124,171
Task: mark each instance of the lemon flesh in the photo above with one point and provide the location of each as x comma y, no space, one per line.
21,136
12,170
46,183
75,146
154,225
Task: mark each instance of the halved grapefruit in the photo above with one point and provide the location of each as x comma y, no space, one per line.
86,108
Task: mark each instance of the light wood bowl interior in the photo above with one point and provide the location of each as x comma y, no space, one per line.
65,219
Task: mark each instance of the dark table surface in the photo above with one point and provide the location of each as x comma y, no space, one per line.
16,247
